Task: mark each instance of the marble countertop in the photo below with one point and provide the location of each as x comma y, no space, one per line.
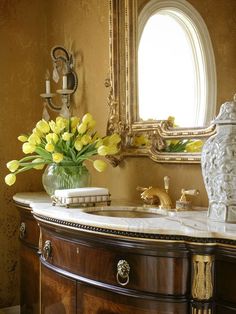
189,223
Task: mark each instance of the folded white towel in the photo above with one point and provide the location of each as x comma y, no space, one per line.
91,191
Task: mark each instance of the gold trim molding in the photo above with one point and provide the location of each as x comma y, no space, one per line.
122,99
202,278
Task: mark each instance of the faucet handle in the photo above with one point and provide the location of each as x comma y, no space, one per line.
166,183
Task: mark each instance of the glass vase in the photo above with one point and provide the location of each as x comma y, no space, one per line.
57,177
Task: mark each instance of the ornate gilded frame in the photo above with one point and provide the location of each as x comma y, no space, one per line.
122,98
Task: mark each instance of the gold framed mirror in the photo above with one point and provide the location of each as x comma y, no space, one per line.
160,139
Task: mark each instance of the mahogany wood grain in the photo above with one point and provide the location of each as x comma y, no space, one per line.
29,280
58,293
98,301
29,263
156,274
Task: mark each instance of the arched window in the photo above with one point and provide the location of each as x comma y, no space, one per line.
176,66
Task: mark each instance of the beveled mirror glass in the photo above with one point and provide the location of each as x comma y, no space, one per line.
137,82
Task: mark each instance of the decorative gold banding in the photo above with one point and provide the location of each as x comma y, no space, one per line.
202,278
201,311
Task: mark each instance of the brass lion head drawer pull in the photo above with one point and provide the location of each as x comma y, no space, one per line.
22,230
47,250
123,270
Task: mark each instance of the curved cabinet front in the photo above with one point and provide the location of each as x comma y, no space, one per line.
29,261
86,272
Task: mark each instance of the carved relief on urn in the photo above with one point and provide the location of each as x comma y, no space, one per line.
219,166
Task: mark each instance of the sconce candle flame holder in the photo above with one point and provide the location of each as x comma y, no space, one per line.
62,64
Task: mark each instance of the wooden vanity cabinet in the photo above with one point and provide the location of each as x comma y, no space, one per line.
169,275
29,261
79,270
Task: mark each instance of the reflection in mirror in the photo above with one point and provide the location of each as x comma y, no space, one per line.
175,62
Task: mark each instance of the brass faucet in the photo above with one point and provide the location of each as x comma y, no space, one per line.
157,196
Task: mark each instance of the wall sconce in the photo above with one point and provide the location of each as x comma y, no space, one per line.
62,66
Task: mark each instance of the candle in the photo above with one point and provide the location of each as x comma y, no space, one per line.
48,87
64,82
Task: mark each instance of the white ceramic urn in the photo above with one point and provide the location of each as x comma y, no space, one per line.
219,166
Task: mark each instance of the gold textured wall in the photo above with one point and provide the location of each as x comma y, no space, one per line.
28,30
23,43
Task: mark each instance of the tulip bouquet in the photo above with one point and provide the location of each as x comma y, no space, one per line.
66,142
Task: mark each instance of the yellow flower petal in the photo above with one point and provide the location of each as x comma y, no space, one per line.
43,126
82,128
38,132
49,147
66,136
112,149
87,118
74,122
103,150
10,179
86,139
99,165
194,146
22,138
34,139
78,145
61,123
114,138
57,157
13,165
28,148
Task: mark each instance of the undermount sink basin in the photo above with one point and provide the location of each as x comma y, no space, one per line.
125,211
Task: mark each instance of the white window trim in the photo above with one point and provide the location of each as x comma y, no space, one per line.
204,41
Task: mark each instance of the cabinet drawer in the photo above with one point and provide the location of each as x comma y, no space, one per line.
29,230
155,274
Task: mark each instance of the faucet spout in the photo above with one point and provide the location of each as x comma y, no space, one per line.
153,196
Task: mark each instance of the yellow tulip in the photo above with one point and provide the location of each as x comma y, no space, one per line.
78,145
10,179
87,118
54,128
86,139
49,137
38,132
13,165
61,123
74,122
99,143
38,167
91,124
194,146
114,138
55,138
82,128
43,126
34,139
141,140
99,165
103,150
112,149
28,148
22,138
49,147
66,136
57,157
106,140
